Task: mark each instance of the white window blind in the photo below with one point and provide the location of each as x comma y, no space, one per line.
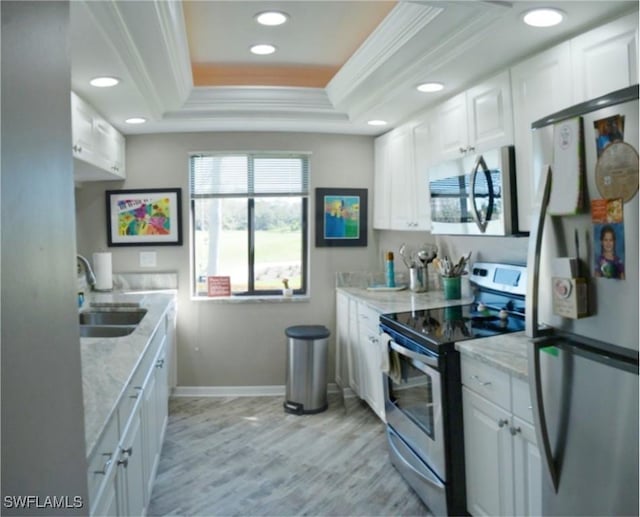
249,175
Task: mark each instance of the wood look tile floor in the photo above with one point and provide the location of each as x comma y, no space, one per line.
246,456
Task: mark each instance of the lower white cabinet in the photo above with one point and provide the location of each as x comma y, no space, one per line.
358,351
502,460
124,462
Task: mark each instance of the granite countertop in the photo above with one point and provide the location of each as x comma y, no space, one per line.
400,301
108,363
507,352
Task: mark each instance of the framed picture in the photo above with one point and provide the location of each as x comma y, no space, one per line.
341,217
149,217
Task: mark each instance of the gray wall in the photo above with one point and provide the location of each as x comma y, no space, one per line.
236,344
43,451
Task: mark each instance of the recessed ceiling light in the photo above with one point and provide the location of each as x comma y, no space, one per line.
104,82
543,17
271,18
377,122
430,87
136,120
263,49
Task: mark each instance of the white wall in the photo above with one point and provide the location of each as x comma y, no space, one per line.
43,446
236,344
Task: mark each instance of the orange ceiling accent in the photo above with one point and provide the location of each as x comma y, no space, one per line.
205,74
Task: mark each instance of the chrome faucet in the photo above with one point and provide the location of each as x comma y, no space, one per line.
91,278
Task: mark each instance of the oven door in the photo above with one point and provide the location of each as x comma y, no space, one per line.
413,404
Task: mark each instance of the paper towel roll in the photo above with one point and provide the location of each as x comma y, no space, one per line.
102,270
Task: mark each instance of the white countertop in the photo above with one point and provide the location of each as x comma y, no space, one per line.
385,302
108,363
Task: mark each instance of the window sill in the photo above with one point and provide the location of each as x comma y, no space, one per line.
252,299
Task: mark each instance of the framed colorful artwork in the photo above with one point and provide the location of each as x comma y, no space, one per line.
149,217
341,217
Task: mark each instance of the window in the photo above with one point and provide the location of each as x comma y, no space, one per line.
249,217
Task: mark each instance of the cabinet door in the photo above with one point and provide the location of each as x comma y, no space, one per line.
490,114
162,395
382,183
107,502
403,195
488,456
149,432
82,116
452,138
354,354
605,59
423,138
541,85
131,469
527,477
342,337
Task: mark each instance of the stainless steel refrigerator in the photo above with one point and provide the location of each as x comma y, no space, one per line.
582,306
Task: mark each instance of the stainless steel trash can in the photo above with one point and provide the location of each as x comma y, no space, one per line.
306,386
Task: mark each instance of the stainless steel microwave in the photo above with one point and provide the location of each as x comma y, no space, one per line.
475,195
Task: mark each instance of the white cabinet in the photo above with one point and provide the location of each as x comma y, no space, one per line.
400,189
541,86
605,59
369,334
358,344
98,148
502,460
123,464
478,119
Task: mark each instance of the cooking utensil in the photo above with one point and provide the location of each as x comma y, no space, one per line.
403,254
427,253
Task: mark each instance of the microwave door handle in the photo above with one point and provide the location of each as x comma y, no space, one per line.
482,225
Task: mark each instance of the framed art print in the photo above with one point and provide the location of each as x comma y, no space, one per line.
146,217
341,217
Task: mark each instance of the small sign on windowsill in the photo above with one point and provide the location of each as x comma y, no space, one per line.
219,285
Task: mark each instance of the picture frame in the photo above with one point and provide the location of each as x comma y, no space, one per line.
144,217
341,217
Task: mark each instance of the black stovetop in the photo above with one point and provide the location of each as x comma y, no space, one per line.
446,325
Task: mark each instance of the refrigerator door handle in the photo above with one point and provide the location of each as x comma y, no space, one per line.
482,224
542,431
534,251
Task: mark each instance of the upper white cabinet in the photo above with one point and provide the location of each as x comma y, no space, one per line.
98,147
400,189
605,59
541,86
593,64
476,120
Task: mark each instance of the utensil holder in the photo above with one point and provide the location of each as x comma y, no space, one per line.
451,287
418,279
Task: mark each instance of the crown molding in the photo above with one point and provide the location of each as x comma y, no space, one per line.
399,27
150,53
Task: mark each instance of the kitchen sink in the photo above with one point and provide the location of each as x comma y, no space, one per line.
106,330
94,317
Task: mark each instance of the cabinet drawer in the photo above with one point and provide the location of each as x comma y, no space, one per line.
521,400
487,381
104,455
368,318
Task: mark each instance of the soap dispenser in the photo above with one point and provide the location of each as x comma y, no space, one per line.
389,270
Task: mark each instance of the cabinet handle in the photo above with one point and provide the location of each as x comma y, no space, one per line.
462,150
502,423
477,379
124,462
106,464
470,149
515,430
160,363
128,451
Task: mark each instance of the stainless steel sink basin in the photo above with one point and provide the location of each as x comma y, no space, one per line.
106,330
95,317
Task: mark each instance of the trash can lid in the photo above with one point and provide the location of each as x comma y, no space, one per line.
308,332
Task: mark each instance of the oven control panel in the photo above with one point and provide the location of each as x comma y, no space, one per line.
506,278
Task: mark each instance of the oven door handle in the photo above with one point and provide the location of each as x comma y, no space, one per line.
430,361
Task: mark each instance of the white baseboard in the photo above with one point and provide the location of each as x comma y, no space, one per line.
237,391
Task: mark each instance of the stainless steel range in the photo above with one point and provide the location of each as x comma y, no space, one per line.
423,396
